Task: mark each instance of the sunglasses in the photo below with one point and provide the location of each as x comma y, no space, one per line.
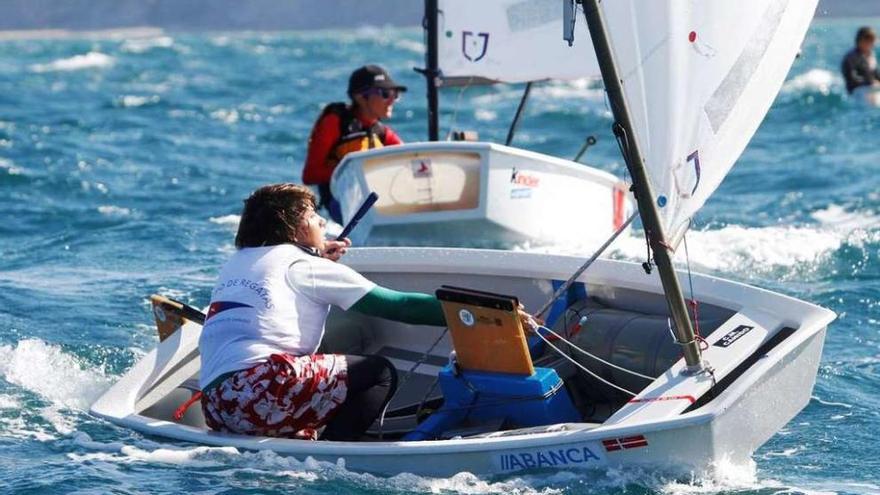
385,93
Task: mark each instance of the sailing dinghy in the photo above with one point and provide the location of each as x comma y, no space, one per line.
623,373
485,194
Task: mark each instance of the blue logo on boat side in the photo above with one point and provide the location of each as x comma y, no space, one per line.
571,456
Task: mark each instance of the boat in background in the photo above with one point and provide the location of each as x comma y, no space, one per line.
477,194
485,194
625,376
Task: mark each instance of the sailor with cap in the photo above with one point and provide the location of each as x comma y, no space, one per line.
346,127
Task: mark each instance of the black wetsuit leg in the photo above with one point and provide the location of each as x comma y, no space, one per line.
372,381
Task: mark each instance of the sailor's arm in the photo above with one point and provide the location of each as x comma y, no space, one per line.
407,307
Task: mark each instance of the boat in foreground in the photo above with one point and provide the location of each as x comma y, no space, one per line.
764,348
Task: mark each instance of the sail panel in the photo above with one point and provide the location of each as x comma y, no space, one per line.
511,41
698,78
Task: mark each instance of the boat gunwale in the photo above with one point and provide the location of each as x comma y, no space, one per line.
812,322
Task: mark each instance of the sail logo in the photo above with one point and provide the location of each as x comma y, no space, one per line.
564,457
474,45
687,182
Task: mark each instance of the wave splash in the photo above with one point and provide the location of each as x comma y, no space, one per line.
51,373
91,60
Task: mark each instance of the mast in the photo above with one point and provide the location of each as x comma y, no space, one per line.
432,71
623,129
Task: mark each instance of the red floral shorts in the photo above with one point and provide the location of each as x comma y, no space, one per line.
286,396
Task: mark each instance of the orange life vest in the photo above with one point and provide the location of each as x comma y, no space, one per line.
352,134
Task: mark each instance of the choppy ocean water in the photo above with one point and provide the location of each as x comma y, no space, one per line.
123,163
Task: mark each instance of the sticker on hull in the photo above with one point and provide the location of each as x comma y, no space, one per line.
579,456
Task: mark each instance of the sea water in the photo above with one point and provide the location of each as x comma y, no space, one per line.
124,162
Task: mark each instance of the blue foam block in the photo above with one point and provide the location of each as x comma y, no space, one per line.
521,401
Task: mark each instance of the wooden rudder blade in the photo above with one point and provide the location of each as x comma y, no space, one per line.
171,315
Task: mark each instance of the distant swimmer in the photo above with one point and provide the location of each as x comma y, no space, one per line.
859,66
346,127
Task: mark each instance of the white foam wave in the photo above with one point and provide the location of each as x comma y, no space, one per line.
134,101
828,403
7,402
230,220
308,469
142,45
50,372
749,250
725,476
815,80
90,60
10,167
410,45
729,248
226,116
774,247
113,211
838,218
484,115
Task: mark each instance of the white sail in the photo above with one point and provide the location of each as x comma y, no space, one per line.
699,77
511,41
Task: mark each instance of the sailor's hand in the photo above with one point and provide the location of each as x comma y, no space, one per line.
529,323
333,249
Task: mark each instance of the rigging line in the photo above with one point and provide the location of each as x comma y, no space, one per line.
579,365
406,378
694,304
564,287
457,105
623,145
597,358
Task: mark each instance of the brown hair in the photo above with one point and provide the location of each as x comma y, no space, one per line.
865,33
271,215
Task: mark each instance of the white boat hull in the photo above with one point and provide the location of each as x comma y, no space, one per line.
477,194
764,375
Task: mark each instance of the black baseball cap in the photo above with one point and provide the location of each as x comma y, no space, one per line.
371,76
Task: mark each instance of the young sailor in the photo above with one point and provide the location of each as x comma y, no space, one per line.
859,66
342,128
260,374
